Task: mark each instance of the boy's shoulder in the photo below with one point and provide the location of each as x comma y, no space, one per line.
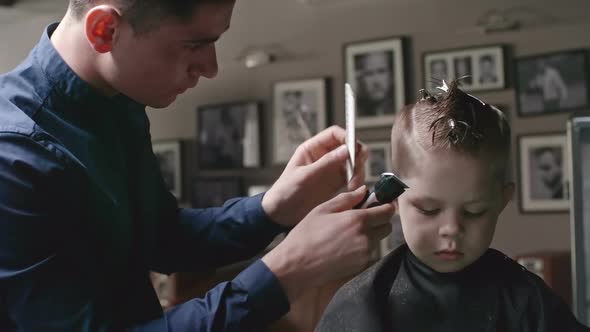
524,300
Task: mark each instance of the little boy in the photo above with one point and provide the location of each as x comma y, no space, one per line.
452,152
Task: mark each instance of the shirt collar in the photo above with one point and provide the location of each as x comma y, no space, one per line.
63,80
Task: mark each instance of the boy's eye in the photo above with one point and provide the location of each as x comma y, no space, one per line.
474,214
428,212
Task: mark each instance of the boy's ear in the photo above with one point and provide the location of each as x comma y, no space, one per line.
507,193
100,26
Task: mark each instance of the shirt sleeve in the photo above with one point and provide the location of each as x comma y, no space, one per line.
250,302
188,239
202,239
44,288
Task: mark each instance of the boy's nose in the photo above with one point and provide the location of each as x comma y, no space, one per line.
451,227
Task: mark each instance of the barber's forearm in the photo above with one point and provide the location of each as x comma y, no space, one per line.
207,238
292,278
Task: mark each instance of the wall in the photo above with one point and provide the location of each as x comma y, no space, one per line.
314,37
430,25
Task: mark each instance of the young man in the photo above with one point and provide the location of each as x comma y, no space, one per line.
85,215
452,152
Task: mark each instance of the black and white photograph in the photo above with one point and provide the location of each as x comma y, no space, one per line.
229,135
168,154
374,70
480,68
300,111
550,83
464,70
543,172
214,191
379,160
439,70
394,239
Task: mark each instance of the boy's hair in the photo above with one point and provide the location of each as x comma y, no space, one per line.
452,120
144,15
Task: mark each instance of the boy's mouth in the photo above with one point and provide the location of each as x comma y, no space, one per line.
449,255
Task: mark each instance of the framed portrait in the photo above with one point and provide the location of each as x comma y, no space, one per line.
214,191
543,173
394,239
550,83
578,136
168,154
375,71
481,68
379,160
300,110
229,135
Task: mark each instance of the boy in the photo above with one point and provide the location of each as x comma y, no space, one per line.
452,152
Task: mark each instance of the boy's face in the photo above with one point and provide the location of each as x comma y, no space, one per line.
449,213
154,68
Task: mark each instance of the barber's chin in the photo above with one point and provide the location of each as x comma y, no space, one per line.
162,103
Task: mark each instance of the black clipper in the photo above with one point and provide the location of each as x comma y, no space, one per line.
388,188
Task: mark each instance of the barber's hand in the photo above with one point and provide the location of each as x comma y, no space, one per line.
315,173
330,243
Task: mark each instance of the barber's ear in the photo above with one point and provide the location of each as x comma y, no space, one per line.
101,26
507,193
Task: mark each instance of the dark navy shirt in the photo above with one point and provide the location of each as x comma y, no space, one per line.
85,215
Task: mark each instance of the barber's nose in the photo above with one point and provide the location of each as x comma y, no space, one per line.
206,63
452,226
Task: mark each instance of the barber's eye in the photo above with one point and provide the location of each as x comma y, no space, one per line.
428,212
194,47
474,214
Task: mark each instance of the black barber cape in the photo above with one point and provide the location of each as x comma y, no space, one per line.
401,294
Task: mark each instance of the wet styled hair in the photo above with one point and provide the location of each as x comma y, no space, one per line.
452,120
144,15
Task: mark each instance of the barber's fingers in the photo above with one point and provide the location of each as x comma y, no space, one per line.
380,232
376,216
333,161
322,143
344,201
358,178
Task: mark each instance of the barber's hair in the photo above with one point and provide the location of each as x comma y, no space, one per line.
144,15
451,120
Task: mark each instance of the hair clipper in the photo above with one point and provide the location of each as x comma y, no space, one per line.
385,190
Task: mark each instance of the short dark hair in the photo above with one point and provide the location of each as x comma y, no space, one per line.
144,15
452,120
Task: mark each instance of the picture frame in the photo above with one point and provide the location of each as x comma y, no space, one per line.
300,110
578,136
215,191
169,157
375,70
552,83
543,172
229,135
379,160
485,67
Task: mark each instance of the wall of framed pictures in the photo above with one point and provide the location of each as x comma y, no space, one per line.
538,76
